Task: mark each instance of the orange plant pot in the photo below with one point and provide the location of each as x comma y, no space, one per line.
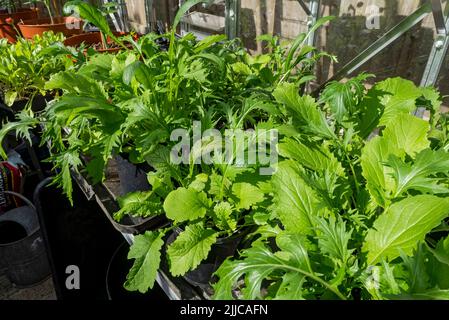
66,25
92,38
7,30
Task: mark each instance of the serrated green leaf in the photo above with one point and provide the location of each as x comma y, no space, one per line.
403,225
304,110
248,195
190,248
313,157
223,217
294,201
416,176
333,238
146,252
399,98
407,135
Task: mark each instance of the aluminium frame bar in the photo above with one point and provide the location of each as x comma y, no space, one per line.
232,18
383,42
439,49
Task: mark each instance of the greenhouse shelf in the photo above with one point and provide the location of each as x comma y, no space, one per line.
174,288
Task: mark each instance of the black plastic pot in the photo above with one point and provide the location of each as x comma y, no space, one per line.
137,225
223,248
134,178
118,268
39,103
22,249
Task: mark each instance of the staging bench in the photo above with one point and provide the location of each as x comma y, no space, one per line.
176,288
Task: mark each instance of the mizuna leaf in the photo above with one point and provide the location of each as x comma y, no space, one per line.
295,202
403,225
186,204
139,204
190,248
146,252
343,98
290,268
416,176
304,110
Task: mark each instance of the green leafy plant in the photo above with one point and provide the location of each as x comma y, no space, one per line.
354,216
28,64
96,16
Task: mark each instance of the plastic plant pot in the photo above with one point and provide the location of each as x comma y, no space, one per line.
67,25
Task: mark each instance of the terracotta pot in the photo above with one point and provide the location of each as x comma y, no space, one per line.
67,25
6,30
92,38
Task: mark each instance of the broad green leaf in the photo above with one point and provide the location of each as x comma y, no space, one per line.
248,195
186,204
146,252
403,225
399,98
304,110
432,294
407,135
438,264
90,13
294,201
190,248
70,106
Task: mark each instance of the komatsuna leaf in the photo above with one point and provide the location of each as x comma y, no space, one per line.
146,252
403,225
304,110
190,248
186,204
295,202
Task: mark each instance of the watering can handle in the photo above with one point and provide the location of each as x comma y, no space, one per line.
28,202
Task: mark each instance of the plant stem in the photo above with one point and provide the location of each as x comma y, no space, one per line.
48,6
